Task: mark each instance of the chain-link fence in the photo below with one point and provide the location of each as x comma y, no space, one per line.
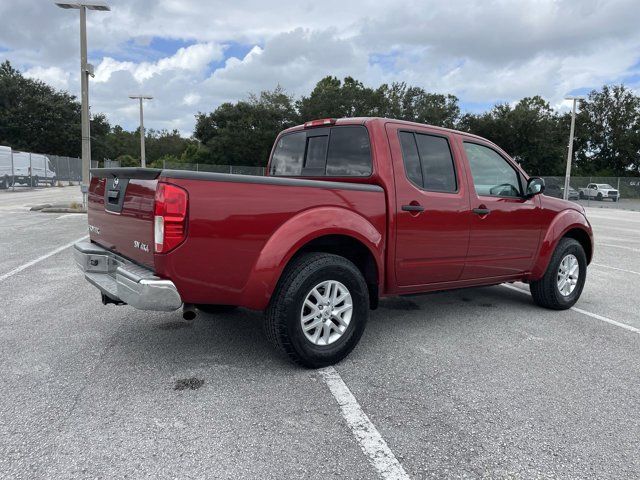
30,170
204,167
606,192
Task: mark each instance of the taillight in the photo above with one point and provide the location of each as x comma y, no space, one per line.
170,217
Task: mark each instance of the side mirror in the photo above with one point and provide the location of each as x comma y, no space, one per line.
535,186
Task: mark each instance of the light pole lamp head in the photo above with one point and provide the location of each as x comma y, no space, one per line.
89,6
144,97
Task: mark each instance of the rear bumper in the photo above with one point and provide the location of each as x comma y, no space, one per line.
124,281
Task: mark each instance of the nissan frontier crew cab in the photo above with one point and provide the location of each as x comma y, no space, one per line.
350,210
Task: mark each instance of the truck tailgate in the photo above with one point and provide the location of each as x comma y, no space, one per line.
120,216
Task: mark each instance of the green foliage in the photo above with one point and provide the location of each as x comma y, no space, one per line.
128,161
243,133
530,131
35,117
333,98
608,132
350,98
416,105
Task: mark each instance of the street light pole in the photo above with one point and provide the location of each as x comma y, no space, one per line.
84,100
85,70
567,175
143,160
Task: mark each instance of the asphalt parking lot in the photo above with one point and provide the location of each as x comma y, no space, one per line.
477,383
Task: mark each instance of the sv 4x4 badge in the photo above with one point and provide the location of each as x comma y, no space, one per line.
141,246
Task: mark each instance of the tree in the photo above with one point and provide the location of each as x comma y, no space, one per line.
164,143
530,131
35,117
334,98
608,132
416,105
100,129
242,133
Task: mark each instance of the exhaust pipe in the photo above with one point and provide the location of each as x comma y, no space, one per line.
189,311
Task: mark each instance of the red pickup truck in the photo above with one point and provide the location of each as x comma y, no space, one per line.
350,210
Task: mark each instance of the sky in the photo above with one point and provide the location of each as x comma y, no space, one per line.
192,55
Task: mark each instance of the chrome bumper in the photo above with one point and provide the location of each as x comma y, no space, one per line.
124,281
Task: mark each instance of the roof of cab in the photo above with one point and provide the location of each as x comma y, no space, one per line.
365,120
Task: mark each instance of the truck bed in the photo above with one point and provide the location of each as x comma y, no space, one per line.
231,220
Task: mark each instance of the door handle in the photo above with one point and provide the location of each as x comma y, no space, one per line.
481,211
413,208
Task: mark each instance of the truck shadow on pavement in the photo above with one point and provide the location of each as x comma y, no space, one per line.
236,339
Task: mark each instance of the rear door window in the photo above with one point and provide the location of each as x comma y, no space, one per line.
288,156
410,157
428,161
349,152
316,157
343,151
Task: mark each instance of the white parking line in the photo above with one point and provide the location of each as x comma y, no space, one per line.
585,312
614,268
39,259
617,246
603,217
370,440
71,215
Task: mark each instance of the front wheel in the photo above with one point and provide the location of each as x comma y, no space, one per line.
319,310
562,283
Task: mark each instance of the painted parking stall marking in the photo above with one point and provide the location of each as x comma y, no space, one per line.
16,270
615,268
368,437
585,312
631,249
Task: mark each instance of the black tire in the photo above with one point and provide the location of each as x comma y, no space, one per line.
5,183
545,291
54,181
599,197
35,181
581,195
216,308
282,323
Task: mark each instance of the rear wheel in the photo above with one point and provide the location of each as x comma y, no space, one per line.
319,310
4,183
562,283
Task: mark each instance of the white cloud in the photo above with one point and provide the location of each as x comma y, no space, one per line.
192,59
54,76
191,99
482,51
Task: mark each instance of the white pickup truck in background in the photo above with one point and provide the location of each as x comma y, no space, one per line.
600,191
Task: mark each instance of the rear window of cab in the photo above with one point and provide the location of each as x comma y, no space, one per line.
341,151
